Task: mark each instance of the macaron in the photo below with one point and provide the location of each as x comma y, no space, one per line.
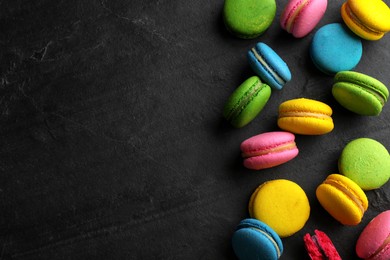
300,17
305,116
248,19
282,205
319,246
360,93
343,199
269,149
255,240
366,162
374,241
335,48
269,66
369,19
246,102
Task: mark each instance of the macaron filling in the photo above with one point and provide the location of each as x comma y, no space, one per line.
385,244
293,14
303,114
274,149
318,245
349,193
267,67
356,20
245,100
378,95
270,239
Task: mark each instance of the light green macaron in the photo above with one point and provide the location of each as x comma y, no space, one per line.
246,102
360,93
366,162
248,19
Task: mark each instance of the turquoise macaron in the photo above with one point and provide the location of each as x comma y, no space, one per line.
246,102
335,48
254,240
360,93
269,66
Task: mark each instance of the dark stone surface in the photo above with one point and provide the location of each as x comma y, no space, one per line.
112,141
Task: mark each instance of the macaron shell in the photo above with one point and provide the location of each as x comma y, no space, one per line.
372,13
366,162
307,19
305,125
248,19
335,48
248,110
373,236
338,204
282,205
357,28
274,63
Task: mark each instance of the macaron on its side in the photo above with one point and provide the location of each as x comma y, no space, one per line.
254,239
335,48
282,205
374,241
248,19
360,93
343,199
366,162
369,19
305,116
269,66
319,246
300,17
246,102
269,149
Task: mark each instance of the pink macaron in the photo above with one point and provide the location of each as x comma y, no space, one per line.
374,241
299,17
269,149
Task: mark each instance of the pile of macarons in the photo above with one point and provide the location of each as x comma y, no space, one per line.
280,208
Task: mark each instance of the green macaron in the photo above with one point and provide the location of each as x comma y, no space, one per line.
248,19
366,162
246,102
360,93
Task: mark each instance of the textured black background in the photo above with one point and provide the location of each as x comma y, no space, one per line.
112,141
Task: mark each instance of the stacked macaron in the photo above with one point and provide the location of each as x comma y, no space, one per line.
280,208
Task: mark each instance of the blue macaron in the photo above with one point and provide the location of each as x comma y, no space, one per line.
255,240
335,48
269,66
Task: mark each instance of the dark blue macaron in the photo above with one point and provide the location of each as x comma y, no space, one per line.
269,66
335,48
255,240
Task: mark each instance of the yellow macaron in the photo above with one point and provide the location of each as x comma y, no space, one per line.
343,199
369,19
281,204
305,116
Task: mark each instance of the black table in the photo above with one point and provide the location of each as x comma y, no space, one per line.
113,144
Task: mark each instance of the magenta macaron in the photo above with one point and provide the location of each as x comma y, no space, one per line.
299,17
374,241
268,149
